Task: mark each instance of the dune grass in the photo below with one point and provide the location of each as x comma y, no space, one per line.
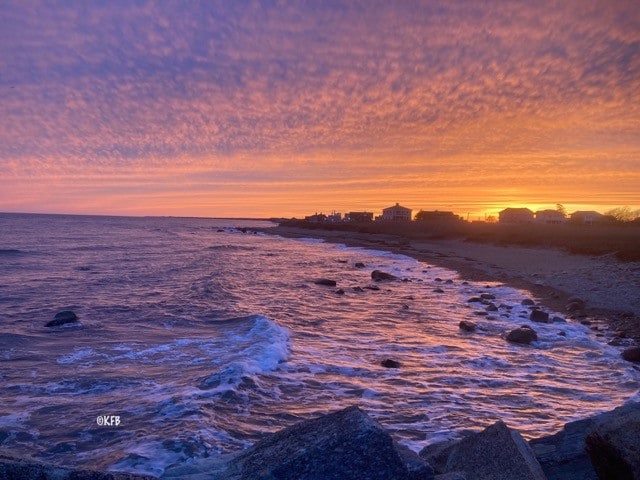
621,240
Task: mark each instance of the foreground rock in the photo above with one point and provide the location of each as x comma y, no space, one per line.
523,335
66,316
344,445
614,444
20,469
496,453
611,440
378,275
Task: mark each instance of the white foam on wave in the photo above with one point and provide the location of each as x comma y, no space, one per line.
260,350
78,354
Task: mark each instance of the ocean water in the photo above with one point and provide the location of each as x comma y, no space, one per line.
201,338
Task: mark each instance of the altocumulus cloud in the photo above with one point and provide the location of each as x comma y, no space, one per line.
219,87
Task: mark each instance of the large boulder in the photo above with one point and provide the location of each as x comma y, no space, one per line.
496,453
378,275
609,440
614,444
66,316
562,455
344,445
523,335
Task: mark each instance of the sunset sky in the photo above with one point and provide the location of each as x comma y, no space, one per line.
234,108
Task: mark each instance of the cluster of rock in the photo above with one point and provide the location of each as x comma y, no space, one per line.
348,444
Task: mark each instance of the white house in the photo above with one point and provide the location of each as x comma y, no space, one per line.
397,213
550,216
516,215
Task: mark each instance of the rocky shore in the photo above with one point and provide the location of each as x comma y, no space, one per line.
348,445
609,288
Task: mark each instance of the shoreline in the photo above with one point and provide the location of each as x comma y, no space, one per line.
610,288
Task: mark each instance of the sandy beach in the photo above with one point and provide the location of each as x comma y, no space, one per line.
610,288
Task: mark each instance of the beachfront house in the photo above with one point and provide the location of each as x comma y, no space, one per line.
397,213
553,217
515,215
586,217
335,217
436,216
359,217
316,218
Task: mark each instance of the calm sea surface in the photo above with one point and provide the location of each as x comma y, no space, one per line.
201,338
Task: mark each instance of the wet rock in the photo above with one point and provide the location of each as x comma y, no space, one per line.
379,275
358,289
438,290
372,287
562,456
523,335
487,296
614,444
359,265
632,354
340,292
405,307
22,469
527,302
448,281
341,261
557,319
496,453
481,313
389,363
491,307
343,445
474,300
326,282
61,318
539,316
437,279
467,326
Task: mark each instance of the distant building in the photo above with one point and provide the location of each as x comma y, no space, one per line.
436,216
587,217
397,213
359,217
316,218
550,216
335,217
516,215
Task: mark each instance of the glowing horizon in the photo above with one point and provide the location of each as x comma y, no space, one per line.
262,110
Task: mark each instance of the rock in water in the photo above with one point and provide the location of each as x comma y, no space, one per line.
496,453
359,265
389,363
467,326
344,445
378,275
631,354
326,282
524,335
539,316
614,444
66,316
